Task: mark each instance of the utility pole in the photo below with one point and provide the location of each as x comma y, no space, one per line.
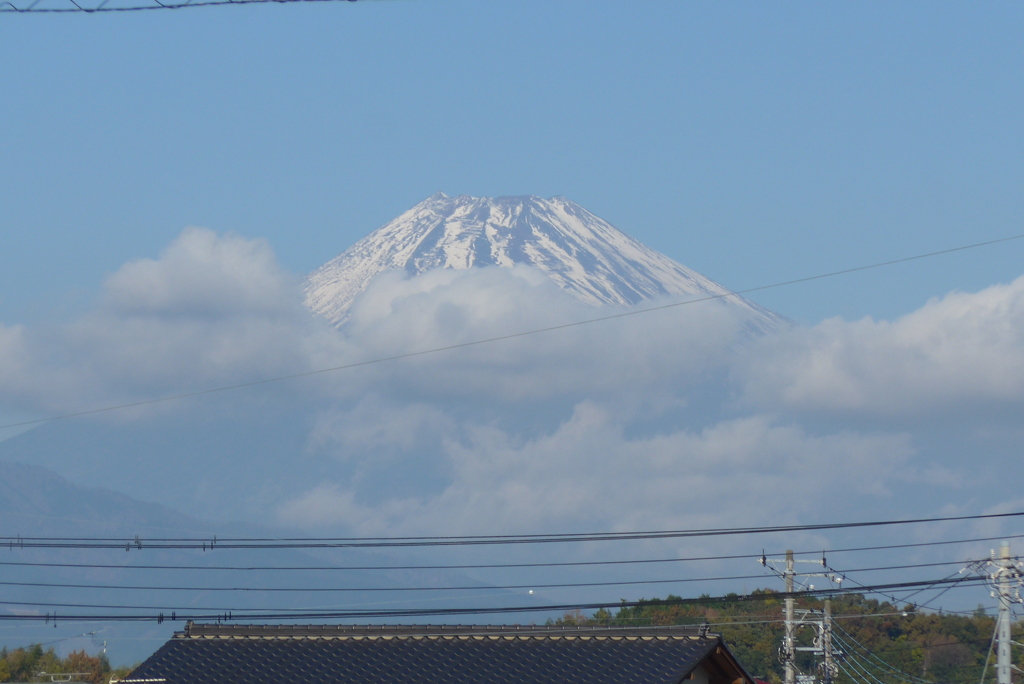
789,641
823,643
1006,579
1004,574
829,674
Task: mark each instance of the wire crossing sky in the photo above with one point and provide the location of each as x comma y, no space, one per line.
139,543
184,613
473,587
483,566
51,7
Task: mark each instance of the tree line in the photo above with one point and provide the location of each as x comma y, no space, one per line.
890,641
34,664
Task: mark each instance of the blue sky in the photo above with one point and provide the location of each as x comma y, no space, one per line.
754,143
751,142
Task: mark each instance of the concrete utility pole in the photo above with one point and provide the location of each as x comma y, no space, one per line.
826,643
1007,584
789,642
823,642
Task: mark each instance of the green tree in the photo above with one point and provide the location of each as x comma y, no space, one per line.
935,647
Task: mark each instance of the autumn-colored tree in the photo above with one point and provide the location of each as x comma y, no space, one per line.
28,664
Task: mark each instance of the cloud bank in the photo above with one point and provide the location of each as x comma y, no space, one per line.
211,310
960,351
669,419
589,474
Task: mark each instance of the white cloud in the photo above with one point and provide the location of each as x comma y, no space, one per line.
589,474
215,309
953,355
210,310
380,427
631,423
643,357
203,273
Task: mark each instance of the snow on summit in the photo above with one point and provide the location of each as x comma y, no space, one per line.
584,254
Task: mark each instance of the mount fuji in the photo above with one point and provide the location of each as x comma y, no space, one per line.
585,255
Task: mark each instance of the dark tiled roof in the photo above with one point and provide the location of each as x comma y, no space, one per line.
193,630
343,654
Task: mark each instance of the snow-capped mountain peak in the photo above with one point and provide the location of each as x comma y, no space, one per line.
582,253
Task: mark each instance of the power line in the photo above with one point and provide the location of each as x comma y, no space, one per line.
855,663
853,677
564,585
933,599
953,643
139,543
905,598
872,656
696,620
917,645
290,568
720,622
913,545
157,5
853,657
484,566
70,638
988,656
483,587
301,614
498,338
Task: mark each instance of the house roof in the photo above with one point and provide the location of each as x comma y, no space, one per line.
437,654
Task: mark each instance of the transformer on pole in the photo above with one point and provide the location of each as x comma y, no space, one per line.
823,642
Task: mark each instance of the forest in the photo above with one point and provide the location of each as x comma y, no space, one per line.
881,642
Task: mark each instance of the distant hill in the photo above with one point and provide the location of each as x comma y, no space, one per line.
36,502
218,469
883,643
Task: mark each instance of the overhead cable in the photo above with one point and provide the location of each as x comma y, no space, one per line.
480,587
485,566
873,657
187,612
79,7
906,598
139,543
